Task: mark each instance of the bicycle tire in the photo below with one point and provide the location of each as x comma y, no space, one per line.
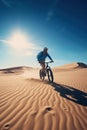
50,75
41,75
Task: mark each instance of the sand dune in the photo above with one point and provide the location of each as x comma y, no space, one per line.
27,103
15,70
71,66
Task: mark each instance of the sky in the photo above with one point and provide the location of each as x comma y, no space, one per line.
27,26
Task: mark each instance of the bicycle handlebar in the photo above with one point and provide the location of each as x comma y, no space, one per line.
48,62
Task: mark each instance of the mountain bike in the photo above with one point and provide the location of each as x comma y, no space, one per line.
47,72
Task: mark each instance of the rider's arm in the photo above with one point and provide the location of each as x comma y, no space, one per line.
50,57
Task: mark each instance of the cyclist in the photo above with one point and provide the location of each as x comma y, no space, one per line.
41,57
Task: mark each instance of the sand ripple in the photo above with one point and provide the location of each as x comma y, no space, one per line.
30,104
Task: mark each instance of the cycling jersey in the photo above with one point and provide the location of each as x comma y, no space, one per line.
41,56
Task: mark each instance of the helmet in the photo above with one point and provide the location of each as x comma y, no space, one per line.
45,48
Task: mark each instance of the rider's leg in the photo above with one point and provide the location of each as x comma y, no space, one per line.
42,65
43,68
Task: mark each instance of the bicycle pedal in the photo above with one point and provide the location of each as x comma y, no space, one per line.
44,74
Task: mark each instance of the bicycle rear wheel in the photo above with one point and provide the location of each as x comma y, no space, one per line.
41,75
50,75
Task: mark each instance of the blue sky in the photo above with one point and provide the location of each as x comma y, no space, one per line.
26,26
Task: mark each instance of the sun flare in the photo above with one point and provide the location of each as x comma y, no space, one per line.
19,41
21,44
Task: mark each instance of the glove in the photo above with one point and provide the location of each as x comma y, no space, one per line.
52,61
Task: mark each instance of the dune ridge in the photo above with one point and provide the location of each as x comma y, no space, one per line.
71,66
16,70
32,104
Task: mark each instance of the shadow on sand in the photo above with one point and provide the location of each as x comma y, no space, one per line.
71,93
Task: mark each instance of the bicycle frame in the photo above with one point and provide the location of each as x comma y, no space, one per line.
47,66
48,73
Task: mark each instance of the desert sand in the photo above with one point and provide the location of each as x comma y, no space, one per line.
27,103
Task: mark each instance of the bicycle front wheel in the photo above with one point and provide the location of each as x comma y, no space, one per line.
50,75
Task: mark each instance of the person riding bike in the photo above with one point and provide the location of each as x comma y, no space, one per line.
41,57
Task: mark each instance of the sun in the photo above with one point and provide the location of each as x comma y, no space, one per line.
18,41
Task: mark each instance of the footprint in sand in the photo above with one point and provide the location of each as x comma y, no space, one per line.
6,127
48,108
66,109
